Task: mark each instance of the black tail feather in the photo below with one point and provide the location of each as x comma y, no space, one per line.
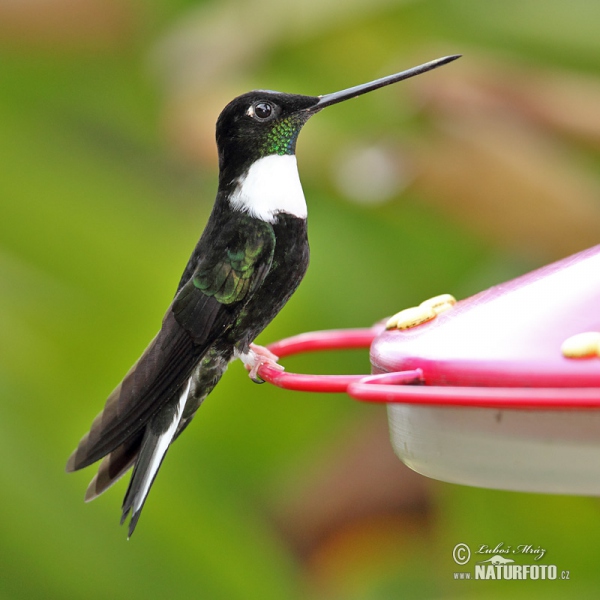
140,484
158,436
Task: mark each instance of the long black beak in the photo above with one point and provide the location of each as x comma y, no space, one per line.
358,90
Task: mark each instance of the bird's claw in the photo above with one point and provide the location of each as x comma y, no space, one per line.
256,357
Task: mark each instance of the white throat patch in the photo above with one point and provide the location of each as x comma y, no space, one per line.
271,186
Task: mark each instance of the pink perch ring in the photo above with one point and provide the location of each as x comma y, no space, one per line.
500,390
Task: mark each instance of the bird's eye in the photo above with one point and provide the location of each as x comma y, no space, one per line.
262,110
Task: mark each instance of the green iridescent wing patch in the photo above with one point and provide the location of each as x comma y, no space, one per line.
226,277
229,280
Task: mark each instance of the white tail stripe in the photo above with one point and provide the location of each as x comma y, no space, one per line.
160,449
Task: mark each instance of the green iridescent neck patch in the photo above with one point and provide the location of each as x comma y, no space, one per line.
281,139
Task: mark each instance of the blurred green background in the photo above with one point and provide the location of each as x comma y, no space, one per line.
451,182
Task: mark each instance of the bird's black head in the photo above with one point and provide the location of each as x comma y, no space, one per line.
258,124
262,123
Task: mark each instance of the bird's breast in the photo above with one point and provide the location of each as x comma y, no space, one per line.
289,264
271,186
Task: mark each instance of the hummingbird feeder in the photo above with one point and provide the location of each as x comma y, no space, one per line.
499,390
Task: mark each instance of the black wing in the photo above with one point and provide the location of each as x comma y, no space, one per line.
205,307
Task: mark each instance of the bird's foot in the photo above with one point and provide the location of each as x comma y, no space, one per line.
256,357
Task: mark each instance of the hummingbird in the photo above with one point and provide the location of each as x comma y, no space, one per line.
250,259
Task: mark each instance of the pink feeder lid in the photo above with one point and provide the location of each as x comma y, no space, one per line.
498,349
482,394
507,336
